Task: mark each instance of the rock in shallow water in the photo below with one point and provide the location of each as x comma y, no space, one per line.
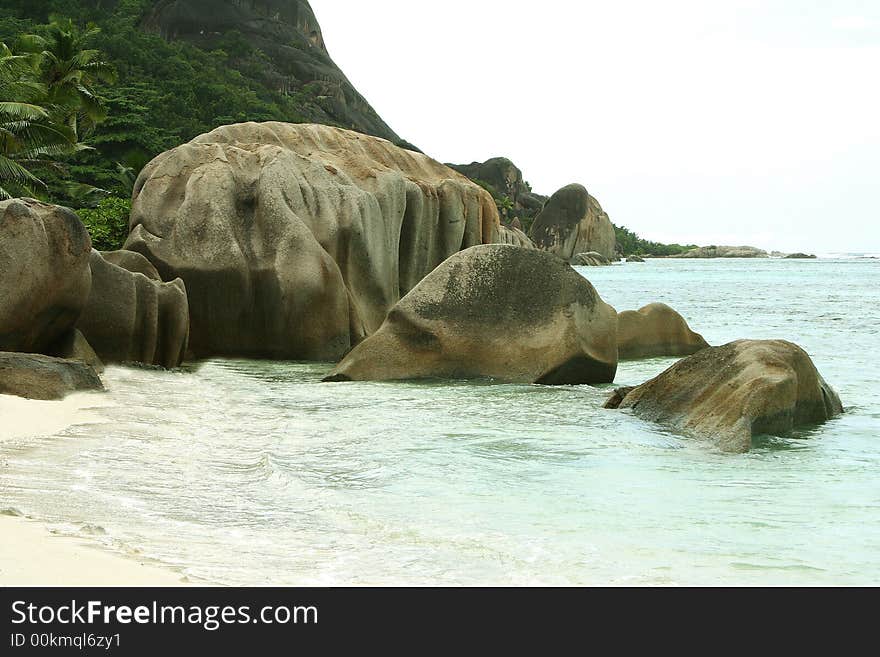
573,222
44,273
34,376
466,320
655,330
590,259
728,394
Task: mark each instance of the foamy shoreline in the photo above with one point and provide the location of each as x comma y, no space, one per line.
31,555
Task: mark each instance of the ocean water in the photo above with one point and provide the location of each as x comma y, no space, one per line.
241,472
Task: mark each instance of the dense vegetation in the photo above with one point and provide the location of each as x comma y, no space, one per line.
151,96
629,243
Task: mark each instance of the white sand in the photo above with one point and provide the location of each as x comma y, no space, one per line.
31,556
24,418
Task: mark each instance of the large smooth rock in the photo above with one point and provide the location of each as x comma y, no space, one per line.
44,273
728,394
294,241
35,376
573,222
725,252
132,318
466,320
655,330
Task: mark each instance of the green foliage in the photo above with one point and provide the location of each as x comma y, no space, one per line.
70,71
629,243
505,206
165,92
107,223
29,134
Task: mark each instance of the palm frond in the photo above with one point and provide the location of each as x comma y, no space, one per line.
22,111
12,171
32,43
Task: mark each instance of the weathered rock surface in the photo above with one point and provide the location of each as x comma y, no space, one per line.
728,394
74,346
724,252
294,57
295,240
573,222
635,258
44,273
35,376
515,237
800,256
590,259
132,318
133,262
655,330
466,320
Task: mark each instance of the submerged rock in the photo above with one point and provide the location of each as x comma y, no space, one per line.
35,376
590,259
44,273
466,320
655,330
132,318
728,394
294,241
573,222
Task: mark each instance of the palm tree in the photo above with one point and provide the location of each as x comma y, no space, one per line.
70,70
27,134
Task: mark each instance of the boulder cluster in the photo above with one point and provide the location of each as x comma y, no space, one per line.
62,299
271,240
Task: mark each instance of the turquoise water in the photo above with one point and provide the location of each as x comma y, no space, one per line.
254,473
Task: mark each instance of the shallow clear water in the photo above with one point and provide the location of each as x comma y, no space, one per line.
254,473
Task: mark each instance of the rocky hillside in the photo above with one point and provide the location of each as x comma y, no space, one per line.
187,66
516,201
290,45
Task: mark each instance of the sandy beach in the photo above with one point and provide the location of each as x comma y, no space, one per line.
30,555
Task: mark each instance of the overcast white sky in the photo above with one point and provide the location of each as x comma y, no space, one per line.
741,122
